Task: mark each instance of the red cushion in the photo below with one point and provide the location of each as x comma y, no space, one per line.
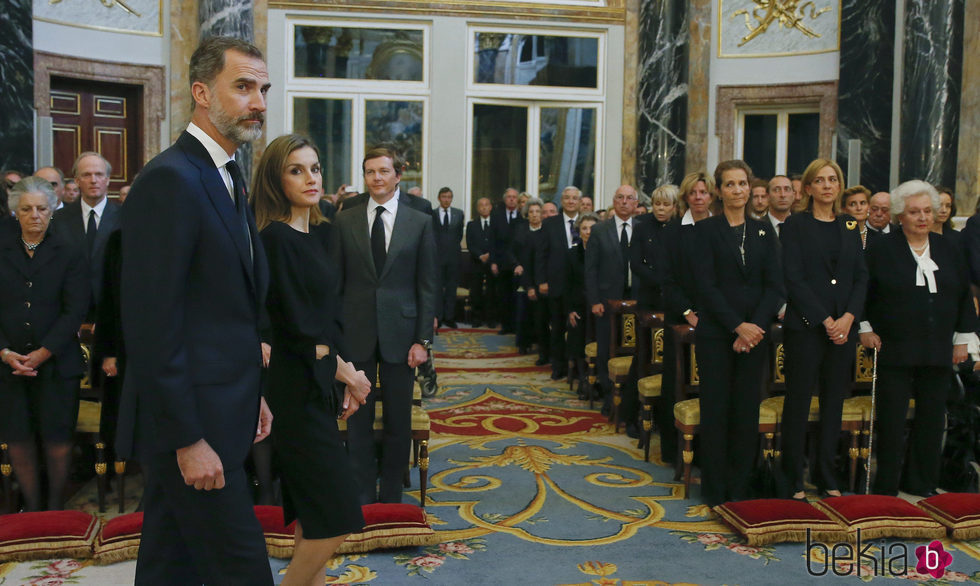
767,521
881,516
47,534
387,525
958,511
119,539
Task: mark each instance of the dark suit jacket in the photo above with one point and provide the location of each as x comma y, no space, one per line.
396,309
478,241
971,245
916,327
448,241
68,224
555,255
680,288
109,334
413,201
191,296
53,284
328,210
647,261
729,292
605,266
815,289
502,234
528,252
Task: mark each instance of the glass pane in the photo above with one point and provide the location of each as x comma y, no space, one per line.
328,123
759,146
536,60
804,142
499,151
358,53
399,124
567,154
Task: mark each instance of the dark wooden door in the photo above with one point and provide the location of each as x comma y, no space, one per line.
100,117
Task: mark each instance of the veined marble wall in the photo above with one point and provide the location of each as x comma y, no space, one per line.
931,90
17,81
968,169
662,98
866,78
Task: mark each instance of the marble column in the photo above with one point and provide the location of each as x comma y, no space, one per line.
864,112
931,90
17,79
233,18
968,168
662,93
698,64
630,74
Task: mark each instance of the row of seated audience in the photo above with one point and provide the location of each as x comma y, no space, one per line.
723,253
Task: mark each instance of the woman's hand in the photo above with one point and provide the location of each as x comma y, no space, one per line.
959,353
322,350
357,382
749,334
839,329
109,366
573,318
351,405
17,363
870,340
266,354
37,358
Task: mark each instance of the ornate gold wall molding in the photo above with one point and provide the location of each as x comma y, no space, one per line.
968,166
732,97
698,65
631,72
613,12
150,77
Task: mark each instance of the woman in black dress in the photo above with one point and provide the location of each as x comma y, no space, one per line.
306,357
43,301
740,288
920,317
826,282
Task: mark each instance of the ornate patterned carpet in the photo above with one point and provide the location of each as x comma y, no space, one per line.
530,486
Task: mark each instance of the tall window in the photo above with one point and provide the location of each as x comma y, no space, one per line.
778,141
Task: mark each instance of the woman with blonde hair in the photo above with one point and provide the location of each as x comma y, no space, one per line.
303,307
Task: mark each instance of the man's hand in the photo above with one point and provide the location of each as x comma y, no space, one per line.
959,353
417,355
598,309
109,366
494,269
200,465
692,318
750,334
265,422
870,340
573,318
518,271
532,294
266,354
484,257
543,288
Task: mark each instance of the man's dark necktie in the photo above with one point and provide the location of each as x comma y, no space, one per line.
576,239
484,224
624,249
378,241
90,231
445,220
241,199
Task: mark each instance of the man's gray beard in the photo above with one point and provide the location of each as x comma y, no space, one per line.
229,127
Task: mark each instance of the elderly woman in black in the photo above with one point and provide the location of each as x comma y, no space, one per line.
43,301
528,250
826,281
575,304
919,316
740,287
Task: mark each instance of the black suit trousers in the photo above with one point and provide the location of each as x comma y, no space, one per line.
731,384
505,294
664,406
558,311
481,281
929,386
448,268
225,546
812,360
386,460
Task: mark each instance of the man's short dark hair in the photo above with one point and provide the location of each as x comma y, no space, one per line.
382,150
443,190
209,58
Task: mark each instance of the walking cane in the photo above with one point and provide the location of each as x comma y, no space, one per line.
871,432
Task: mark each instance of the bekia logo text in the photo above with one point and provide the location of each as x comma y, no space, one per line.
845,559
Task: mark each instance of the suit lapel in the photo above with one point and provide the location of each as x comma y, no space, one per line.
362,240
17,258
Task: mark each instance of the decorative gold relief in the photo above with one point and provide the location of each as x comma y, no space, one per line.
628,338
86,382
694,379
609,11
109,4
863,365
778,376
790,14
658,346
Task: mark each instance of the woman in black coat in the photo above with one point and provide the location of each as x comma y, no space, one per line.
306,339
919,316
528,250
575,304
826,281
739,284
43,301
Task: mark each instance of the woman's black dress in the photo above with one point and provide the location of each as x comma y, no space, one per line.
303,312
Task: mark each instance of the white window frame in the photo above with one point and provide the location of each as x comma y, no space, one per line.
536,92
782,114
533,145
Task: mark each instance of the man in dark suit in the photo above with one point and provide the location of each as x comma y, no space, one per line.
560,235
503,222
385,253
479,243
194,276
88,221
608,276
447,224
